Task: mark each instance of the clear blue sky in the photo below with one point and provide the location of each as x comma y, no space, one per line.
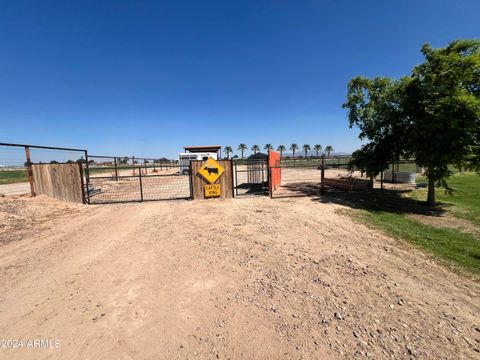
148,77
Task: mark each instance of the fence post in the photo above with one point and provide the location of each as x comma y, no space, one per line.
263,173
87,176
141,185
231,170
116,170
84,198
393,173
381,180
270,186
29,170
269,175
322,185
190,178
236,180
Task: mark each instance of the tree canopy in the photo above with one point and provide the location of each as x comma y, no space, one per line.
432,115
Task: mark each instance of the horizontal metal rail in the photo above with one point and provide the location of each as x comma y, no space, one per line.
135,176
139,201
42,147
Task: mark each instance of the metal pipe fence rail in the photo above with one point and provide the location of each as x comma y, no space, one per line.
307,178
297,179
250,177
112,179
16,162
104,179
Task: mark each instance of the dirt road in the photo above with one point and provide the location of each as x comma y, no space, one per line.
15,189
244,278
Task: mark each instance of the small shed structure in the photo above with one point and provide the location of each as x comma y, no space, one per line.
205,149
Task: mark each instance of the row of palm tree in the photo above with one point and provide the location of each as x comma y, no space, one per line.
280,148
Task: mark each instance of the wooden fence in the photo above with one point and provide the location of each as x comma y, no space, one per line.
225,181
61,181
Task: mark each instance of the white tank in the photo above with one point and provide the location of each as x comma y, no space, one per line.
402,177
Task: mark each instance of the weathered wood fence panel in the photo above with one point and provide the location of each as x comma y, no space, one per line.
225,181
61,181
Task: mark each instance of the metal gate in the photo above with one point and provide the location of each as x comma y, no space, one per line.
118,180
295,177
251,177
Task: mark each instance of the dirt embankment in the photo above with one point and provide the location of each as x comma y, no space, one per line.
250,278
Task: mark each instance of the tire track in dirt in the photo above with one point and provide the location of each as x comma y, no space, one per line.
249,278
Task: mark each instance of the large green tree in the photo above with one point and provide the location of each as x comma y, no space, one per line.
376,107
432,115
444,102
371,159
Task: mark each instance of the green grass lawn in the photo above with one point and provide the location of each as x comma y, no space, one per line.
13,176
388,211
465,200
450,245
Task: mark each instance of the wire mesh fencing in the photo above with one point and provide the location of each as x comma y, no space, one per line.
105,179
297,179
16,161
113,179
303,177
13,170
250,177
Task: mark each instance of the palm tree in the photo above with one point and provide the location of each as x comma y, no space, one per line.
227,150
242,148
294,147
268,147
255,148
281,148
317,148
306,148
329,150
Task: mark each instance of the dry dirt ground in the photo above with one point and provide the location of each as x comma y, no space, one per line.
15,189
249,278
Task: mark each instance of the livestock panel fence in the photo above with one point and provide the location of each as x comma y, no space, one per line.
250,177
33,169
74,175
314,175
113,179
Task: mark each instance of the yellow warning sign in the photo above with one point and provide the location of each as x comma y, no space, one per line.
211,170
212,190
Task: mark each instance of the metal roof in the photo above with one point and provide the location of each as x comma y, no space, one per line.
204,148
